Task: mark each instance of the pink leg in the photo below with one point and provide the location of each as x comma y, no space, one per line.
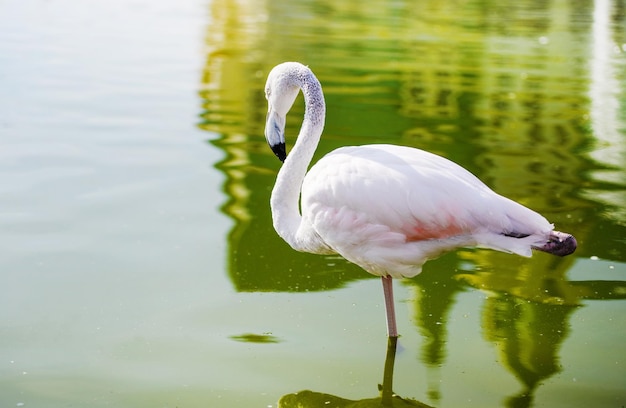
392,329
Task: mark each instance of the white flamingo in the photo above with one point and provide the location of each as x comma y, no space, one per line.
385,208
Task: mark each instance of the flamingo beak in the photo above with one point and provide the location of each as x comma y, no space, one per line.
275,133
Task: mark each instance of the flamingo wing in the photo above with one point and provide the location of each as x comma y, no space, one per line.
390,208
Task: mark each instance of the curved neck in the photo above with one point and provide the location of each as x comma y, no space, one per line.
286,193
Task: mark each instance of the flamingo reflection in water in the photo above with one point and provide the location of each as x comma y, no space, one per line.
387,398
383,207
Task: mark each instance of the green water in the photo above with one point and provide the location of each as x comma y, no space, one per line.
139,266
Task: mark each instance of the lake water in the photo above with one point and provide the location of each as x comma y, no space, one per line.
139,266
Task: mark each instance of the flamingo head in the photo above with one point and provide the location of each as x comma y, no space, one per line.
281,90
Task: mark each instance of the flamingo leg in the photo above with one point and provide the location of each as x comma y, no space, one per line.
390,359
392,329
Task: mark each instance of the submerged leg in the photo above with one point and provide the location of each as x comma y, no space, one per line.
390,359
392,330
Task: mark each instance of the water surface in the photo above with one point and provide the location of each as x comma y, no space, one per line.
139,266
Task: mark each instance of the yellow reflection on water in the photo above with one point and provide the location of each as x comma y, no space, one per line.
524,94
500,89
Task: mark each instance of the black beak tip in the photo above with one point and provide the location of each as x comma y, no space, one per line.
280,151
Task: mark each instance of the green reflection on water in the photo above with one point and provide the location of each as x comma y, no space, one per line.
516,92
255,338
509,101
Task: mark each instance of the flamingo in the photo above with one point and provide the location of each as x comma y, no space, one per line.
386,208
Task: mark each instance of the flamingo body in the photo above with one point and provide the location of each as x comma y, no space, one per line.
383,207
390,208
